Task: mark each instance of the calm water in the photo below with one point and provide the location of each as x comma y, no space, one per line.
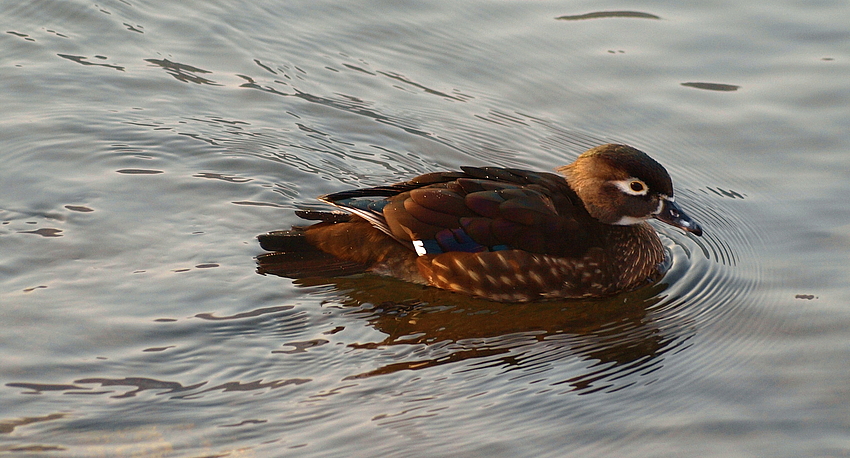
145,144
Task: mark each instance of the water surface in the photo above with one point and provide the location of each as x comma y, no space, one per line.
145,145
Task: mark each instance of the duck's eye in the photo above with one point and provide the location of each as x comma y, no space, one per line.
632,186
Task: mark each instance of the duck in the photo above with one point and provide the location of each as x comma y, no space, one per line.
501,234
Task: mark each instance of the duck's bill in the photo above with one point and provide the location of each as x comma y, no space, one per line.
673,215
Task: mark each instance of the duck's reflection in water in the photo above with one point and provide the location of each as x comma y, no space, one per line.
615,338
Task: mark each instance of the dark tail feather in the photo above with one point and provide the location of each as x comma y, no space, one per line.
305,265
293,257
323,215
291,240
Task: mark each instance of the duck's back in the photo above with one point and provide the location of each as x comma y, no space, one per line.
480,209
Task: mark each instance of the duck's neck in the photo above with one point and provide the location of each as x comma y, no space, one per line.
639,243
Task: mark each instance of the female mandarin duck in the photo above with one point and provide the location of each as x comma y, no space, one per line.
497,233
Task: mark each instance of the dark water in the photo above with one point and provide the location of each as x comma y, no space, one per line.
145,144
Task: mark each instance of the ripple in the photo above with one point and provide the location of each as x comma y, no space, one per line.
83,60
8,426
20,35
79,208
715,284
713,86
183,72
138,385
139,171
608,14
44,232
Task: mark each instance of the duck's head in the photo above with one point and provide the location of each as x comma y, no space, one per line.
620,185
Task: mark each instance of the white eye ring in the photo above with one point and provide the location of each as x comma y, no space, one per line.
632,186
